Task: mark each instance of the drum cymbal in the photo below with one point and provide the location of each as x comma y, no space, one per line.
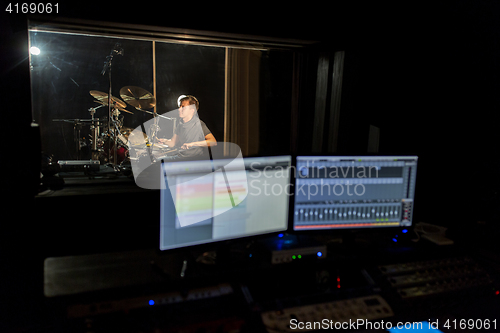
115,106
102,98
138,97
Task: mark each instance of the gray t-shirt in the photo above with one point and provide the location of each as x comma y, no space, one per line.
191,131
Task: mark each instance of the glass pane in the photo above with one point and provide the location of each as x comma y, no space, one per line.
64,72
183,69
67,67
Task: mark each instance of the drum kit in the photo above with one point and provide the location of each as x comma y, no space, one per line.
110,140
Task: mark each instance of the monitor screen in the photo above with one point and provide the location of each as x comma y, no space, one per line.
214,200
351,192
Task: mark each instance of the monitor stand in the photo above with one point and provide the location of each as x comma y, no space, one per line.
191,263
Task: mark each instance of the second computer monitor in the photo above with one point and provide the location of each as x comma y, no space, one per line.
352,192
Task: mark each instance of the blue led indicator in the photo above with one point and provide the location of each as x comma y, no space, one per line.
151,302
395,240
319,254
404,231
280,235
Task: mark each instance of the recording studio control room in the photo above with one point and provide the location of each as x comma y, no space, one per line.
201,168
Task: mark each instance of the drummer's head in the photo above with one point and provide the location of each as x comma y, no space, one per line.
186,112
191,100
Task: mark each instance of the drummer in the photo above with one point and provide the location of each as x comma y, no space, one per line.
191,134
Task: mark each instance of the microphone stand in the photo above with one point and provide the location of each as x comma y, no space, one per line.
108,65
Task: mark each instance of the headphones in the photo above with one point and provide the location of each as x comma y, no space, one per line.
179,100
184,96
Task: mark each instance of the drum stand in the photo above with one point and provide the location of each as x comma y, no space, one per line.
77,127
94,130
153,130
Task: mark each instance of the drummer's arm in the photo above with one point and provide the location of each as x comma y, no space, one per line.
209,141
170,142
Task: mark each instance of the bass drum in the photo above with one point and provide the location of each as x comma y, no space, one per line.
105,145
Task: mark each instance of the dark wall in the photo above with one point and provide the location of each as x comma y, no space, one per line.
192,70
276,73
431,85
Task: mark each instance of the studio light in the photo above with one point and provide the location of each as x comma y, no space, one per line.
34,50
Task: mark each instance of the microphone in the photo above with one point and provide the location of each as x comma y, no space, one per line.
118,49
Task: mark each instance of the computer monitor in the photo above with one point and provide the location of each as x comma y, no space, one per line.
353,192
215,200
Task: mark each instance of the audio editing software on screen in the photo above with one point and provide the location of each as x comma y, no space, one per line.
208,201
354,192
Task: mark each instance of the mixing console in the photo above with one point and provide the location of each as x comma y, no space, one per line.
334,314
433,277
